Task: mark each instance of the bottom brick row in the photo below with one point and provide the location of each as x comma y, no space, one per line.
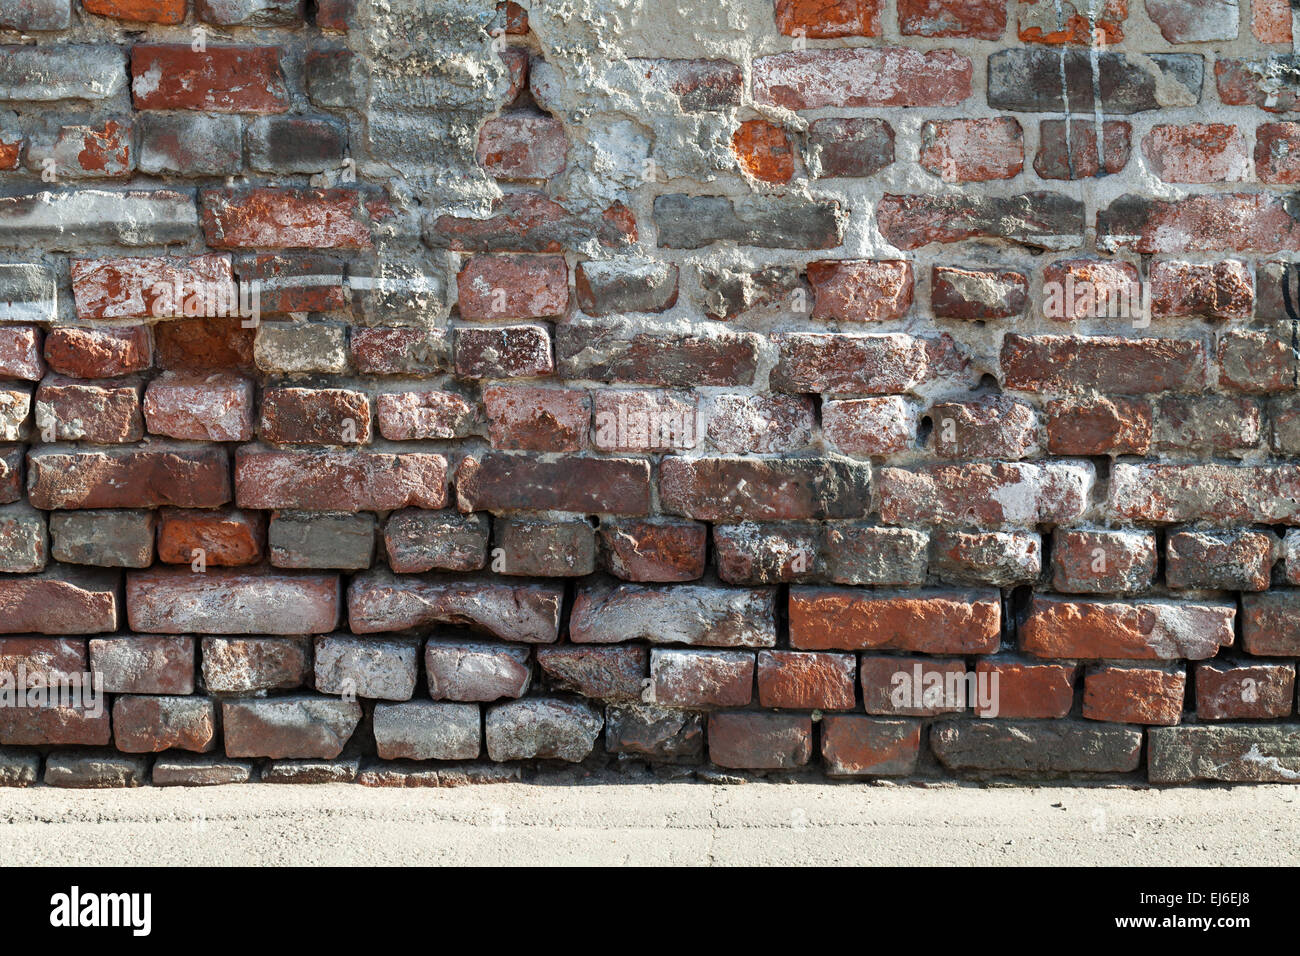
311,738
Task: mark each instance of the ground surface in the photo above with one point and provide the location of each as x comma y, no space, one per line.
662,823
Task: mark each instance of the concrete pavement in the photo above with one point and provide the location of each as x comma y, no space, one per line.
617,822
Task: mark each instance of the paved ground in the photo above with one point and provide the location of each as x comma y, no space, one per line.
663,823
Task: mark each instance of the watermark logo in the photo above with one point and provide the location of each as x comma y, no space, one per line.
948,690
648,429
39,689
1083,299
208,299
75,909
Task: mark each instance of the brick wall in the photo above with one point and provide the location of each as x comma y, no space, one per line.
429,392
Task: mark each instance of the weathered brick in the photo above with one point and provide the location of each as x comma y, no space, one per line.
244,665
862,290
522,145
1043,22
973,150
366,667
930,622
99,352
540,727
1076,153
613,352
1218,493
24,543
504,287
864,76
138,11
1098,426
1225,560
137,664
912,686
881,557
543,548
728,292
656,550
1043,80
529,613
112,539
70,410
849,147
295,144
221,538
1026,689
1039,220
764,151
718,489
203,406
1134,695
1150,629
701,678
755,741
1228,754
86,151
1103,562
768,553
806,681
190,144
537,419
476,671
1233,222
144,725
496,481
1076,363
20,353
338,480
92,770
325,416
48,73
857,746
178,601
604,673
283,218
424,730
1194,21
1197,153
145,476
294,726
692,222
204,345
618,285
992,427
699,85
684,614
1270,625
59,601
869,426
1015,494
1277,150
517,351
640,420
306,539
199,770
663,733
1244,691
1218,291
226,79
418,540
999,558
1038,747
977,294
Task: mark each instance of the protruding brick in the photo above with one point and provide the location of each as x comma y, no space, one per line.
418,540
657,550
527,613
167,601
366,667
541,727
930,622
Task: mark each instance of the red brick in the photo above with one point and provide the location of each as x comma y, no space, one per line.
1225,560
99,353
869,426
205,345
537,419
999,558
701,678
57,726
474,671
1037,219
142,287
1134,695
689,614
144,725
1041,22
1277,148
1103,562
977,294
339,480
1244,691
136,664
864,76
1270,623
760,424
139,477
1076,156
1130,630
698,84
517,351
212,406
226,538
418,540
980,19
603,673
640,420
973,150
1083,289
423,413
522,146
1211,492
295,282
857,746
219,79
526,613
283,218
59,601
1076,363
529,222
501,482
658,550
1223,290
104,414
991,427
20,353
138,11
861,290
322,416
1019,494
88,150
856,146
611,351
400,351
1099,426
817,19
300,726
1197,153
497,288
750,741
775,489
178,601
1259,362
1027,690
769,553
11,473
1270,21
912,686
1232,222
764,151
27,661
930,622
806,681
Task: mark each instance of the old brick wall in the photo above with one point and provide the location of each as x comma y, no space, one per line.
430,391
